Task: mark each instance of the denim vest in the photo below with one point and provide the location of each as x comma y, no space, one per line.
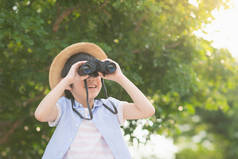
69,122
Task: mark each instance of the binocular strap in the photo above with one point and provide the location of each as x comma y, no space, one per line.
89,109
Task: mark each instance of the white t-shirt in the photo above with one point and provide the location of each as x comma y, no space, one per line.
89,143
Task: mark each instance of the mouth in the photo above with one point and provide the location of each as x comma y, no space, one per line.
92,86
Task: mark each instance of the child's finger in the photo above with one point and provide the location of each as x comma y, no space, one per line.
77,64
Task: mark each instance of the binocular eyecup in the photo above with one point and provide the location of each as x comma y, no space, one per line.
92,68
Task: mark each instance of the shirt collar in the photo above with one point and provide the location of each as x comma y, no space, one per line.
97,103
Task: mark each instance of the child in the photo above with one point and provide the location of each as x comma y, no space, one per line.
86,127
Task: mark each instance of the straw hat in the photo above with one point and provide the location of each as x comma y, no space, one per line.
60,60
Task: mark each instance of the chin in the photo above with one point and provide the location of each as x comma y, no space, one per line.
92,95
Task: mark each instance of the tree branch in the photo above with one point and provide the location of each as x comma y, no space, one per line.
138,24
9,132
104,4
173,45
17,123
59,20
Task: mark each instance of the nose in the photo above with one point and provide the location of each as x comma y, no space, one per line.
91,78
94,74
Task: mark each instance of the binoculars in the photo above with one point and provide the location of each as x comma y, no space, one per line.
92,68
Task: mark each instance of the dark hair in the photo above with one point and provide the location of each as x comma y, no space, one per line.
81,56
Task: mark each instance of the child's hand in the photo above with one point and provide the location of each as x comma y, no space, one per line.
116,76
73,73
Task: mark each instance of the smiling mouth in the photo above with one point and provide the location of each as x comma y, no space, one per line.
94,86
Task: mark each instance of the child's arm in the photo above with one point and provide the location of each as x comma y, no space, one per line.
47,110
141,106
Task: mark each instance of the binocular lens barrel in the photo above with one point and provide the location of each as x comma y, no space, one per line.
111,68
93,67
85,69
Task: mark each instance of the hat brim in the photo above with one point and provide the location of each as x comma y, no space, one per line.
60,60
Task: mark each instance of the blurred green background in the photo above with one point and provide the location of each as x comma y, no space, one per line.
191,84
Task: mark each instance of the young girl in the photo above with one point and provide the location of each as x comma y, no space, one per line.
87,128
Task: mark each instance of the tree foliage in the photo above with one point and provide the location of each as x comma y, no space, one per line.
153,41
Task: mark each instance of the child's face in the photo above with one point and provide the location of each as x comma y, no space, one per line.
94,86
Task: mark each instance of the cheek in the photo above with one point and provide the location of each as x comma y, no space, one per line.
99,88
79,86
99,84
